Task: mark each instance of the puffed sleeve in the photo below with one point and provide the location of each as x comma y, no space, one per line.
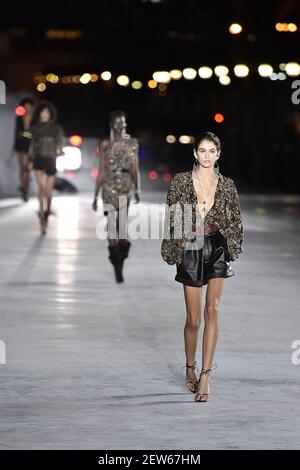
172,213
237,219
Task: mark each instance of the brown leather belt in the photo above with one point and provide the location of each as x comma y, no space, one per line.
210,228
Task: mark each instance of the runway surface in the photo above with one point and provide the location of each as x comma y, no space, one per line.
95,364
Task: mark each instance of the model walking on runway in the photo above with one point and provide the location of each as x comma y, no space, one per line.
118,176
22,142
212,237
46,145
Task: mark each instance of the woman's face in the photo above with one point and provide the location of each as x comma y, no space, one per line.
28,108
45,115
207,153
119,123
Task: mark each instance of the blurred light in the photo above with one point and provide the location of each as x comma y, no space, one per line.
279,27
281,76
162,77
85,78
282,67
235,28
241,70
176,74
20,111
136,85
70,161
251,37
221,70
153,175
292,69
162,87
265,70
218,117
225,80
67,79
76,79
273,76
171,139
94,77
94,173
123,80
152,84
51,77
75,140
41,87
185,139
189,73
292,27
38,78
167,176
286,27
162,92
63,34
106,75
205,72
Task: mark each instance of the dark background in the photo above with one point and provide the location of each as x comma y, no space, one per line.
261,131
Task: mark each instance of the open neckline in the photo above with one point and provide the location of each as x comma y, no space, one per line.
203,218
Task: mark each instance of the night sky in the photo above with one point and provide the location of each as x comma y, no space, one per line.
137,38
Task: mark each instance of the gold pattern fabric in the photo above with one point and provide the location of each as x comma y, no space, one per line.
182,210
118,158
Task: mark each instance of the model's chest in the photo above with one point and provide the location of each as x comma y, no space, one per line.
119,155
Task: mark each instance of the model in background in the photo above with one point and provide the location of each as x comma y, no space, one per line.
212,238
46,145
22,142
118,176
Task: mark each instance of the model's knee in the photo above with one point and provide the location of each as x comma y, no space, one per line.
193,324
211,312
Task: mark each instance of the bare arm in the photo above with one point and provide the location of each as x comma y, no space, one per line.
100,175
135,172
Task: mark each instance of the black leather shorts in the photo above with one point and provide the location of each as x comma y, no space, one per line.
208,262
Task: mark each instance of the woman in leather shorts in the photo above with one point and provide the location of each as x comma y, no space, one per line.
204,235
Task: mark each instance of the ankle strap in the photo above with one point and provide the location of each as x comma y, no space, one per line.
194,366
207,371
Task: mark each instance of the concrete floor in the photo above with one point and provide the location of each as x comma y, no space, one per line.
95,364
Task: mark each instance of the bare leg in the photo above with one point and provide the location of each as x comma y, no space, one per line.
39,175
23,173
193,299
211,328
49,189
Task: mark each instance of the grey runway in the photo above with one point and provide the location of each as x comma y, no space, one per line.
95,364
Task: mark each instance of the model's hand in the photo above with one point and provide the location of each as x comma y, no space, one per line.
95,204
137,197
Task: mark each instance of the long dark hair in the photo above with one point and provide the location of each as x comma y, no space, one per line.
40,107
210,136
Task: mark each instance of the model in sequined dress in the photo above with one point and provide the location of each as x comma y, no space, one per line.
119,181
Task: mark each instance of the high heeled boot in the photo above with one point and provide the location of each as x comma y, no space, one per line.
124,248
115,258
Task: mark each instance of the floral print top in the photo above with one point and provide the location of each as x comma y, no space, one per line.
183,211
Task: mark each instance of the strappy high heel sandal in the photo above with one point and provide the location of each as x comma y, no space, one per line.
203,397
191,383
